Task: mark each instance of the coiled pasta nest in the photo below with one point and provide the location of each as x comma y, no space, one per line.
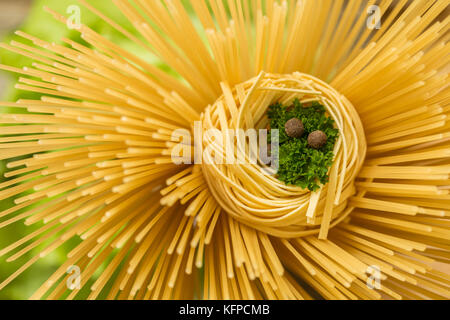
257,198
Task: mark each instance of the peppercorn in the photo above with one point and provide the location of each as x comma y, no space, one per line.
317,139
294,128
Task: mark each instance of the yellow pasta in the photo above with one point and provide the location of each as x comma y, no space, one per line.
93,158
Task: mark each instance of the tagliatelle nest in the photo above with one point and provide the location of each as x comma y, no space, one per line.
253,196
92,159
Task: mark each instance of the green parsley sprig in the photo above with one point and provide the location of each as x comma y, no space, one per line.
299,164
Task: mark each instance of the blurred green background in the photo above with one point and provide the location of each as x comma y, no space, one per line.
29,16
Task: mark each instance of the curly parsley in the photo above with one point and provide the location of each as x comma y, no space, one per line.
299,164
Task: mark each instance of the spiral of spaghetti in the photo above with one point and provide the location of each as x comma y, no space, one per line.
249,190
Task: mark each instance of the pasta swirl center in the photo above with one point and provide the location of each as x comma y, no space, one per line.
246,187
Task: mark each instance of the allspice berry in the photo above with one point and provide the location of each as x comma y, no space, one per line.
294,128
317,139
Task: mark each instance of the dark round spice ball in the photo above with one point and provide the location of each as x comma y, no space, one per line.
317,139
294,128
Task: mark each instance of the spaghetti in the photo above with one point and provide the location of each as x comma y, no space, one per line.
91,159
